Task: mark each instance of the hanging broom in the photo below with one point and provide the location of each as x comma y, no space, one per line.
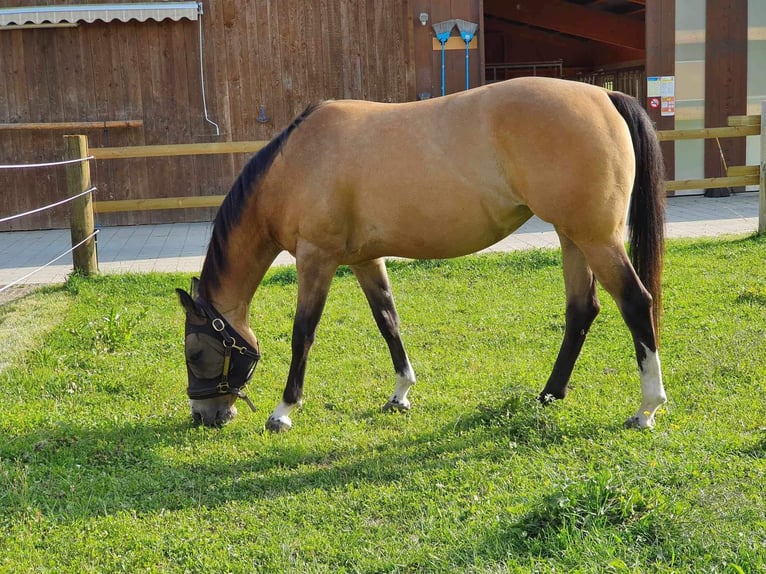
443,31
467,32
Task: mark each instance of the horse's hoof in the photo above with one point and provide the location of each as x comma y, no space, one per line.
546,399
279,424
639,422
396,405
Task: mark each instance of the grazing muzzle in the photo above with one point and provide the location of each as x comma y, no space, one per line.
239,358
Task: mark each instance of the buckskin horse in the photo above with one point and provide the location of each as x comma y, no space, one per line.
352,182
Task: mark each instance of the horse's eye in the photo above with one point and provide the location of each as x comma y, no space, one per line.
196,356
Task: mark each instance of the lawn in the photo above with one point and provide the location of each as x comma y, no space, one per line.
102,471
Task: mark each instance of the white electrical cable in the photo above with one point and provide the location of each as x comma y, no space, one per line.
62,202
202,76
47,164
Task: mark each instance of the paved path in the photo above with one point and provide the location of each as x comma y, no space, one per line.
181,246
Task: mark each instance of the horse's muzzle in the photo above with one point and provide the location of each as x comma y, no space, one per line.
214,412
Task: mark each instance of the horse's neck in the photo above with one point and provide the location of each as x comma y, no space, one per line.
237,285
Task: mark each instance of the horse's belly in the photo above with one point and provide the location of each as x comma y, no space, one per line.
441,234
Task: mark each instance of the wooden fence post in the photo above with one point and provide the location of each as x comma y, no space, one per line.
762,192
81,209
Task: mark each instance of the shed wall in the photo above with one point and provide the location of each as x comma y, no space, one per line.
279,55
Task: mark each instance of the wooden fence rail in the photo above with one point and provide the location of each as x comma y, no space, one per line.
709,133
47,126
736,176
175,150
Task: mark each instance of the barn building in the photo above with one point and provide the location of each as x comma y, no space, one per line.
129,73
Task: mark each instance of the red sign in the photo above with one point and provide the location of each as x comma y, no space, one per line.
654,103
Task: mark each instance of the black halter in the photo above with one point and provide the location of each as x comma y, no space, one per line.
238,366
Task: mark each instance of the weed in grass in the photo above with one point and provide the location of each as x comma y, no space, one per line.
519,415
588,503
752,295
116,330
281,276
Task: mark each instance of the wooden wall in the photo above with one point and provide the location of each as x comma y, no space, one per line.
725,83
280,54
661,61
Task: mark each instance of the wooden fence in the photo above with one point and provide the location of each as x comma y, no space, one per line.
739,126
82,218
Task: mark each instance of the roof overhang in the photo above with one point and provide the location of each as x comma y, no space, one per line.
36,16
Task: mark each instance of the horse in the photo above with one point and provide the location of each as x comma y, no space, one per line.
353,182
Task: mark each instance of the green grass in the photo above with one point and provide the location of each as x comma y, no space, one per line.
101,470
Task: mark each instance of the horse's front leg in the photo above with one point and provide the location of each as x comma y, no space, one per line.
314,276
373,278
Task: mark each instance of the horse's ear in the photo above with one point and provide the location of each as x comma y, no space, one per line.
195,288
187,302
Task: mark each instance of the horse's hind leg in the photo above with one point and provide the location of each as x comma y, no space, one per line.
614,271
582,308
374,281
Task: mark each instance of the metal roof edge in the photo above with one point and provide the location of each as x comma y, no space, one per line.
141,11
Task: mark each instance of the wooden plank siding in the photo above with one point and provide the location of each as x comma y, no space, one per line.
725,82
279,54
661,61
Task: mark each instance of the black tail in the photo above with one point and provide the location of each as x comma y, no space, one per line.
647,205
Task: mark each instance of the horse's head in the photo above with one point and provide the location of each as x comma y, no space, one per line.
219,362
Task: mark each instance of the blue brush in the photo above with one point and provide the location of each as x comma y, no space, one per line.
443,31
467,32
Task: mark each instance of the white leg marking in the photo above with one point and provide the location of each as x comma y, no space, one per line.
399,400
279,420
652,391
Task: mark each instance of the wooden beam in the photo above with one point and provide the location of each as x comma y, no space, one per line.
121,205
572,19
41,126
532,44
746,170
708,133
176,150
743,121
454,43
725,80
661,61
710,183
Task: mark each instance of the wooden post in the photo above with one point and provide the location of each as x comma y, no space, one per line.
762,194
81,209
725,83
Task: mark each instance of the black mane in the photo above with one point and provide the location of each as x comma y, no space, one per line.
229,213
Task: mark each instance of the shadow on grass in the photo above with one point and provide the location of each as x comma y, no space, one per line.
756,450
69,471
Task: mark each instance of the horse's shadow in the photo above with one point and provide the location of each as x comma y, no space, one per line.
130,467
